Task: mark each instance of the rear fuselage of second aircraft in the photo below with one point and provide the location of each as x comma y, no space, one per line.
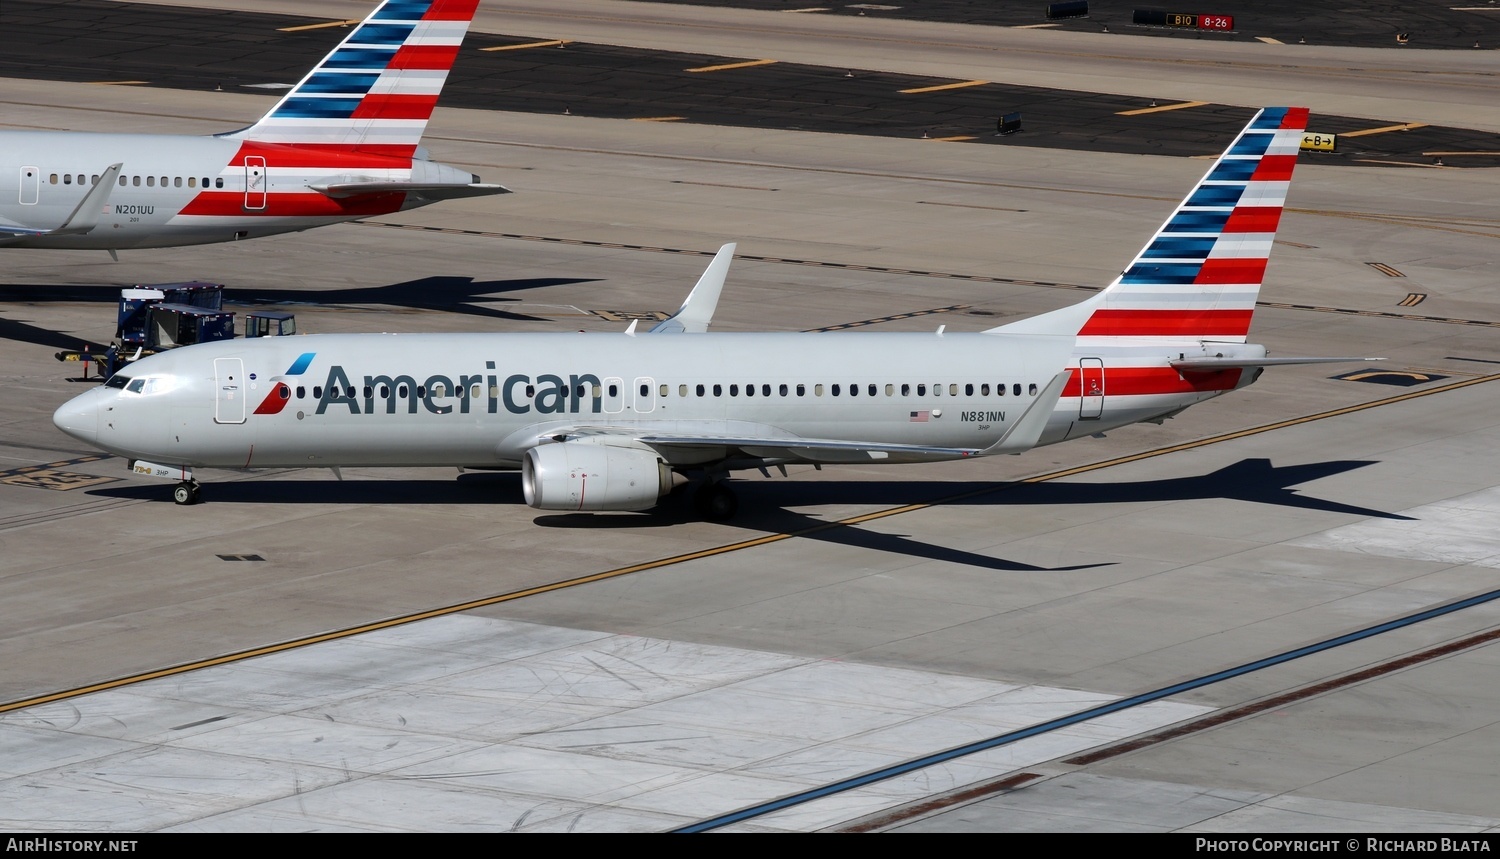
179,190
483,400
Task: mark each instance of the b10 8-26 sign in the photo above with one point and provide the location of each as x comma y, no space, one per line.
1152,18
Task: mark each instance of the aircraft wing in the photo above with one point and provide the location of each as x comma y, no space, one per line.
84,217
684,445
426,190
814,450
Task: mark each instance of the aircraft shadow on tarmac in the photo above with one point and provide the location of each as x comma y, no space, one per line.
446,294
1252,480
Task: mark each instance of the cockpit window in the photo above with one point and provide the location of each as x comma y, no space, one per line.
117,381
136,386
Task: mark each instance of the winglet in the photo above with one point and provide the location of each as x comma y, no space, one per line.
697,312
1027,430
86,216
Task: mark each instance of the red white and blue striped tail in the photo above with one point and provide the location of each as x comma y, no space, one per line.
377,89
1199,276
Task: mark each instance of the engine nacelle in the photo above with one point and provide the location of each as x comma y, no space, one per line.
582,476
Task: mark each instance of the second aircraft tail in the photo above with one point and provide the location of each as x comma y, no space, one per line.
375,92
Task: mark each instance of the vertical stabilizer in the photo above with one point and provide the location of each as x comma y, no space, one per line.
1199,276
375,92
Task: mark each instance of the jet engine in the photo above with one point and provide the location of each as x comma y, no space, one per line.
583,476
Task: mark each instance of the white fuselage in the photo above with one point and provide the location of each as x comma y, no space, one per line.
483,400
182,190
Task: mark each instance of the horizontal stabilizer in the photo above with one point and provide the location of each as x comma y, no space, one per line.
426,190
1212,365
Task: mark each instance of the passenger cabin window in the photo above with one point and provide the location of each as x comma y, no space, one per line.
67,178
1031,389
53,179
150,181
218,183
192,181
1016,389
124,180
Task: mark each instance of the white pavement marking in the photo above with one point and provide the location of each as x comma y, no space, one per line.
471,723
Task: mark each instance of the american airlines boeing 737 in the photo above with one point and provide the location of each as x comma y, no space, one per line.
341,145
603,421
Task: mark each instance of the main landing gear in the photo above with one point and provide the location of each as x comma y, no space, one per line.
715,501
186,492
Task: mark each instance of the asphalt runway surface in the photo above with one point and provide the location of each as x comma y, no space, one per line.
99,41
1283,597
1427,24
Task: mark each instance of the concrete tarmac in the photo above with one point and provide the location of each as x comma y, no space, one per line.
731,668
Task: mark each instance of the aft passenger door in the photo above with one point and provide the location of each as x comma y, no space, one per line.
229,391
255,182
1091,395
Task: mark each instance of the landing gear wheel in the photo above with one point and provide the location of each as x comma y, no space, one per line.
716,502
185,492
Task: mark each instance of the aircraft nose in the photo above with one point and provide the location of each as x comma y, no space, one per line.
79,417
